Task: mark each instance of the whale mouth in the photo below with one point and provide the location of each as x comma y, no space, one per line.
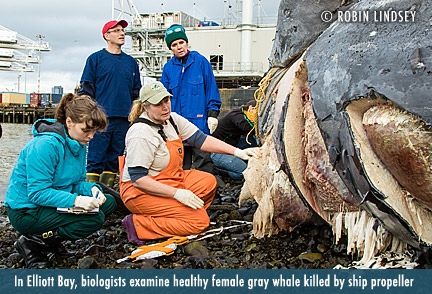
346,119
391,159
369,185
395,150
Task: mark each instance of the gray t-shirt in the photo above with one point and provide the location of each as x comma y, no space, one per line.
146,148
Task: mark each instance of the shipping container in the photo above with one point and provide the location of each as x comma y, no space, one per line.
35,99
1,97
27,98
55,98
45,100
13,98
165,20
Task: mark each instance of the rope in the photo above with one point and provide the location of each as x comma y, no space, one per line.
260,95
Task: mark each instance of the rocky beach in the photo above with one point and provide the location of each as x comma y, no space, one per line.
308,246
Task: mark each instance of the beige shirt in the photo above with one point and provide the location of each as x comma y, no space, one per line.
146,148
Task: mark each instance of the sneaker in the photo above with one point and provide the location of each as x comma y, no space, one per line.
132,236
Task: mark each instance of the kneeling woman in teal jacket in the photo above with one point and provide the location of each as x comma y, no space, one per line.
49,174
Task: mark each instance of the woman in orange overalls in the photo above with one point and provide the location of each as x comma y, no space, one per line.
164,199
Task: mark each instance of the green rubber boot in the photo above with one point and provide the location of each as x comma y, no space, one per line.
108,178
92,177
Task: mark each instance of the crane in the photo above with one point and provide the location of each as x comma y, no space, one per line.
17,52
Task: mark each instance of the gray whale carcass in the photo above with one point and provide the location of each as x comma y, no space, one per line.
349,123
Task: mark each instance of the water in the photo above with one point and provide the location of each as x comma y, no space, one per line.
14,138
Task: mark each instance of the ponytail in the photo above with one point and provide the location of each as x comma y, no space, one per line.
136,111
81,109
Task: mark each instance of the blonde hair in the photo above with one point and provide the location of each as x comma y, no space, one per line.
81,109
137,110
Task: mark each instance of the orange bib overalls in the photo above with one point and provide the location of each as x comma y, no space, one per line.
159,217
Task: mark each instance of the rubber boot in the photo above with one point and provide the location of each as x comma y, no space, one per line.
33,250
54,242
129,225
108,178
92,177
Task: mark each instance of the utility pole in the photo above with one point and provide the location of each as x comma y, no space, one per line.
40,38
19,76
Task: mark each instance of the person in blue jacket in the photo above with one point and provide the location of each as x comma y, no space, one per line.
50,173
188,76
112,78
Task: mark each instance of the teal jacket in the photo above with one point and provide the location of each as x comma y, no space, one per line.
50,170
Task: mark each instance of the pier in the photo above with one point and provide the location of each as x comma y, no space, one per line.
24,114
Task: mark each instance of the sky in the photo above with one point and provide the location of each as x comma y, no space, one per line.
73,30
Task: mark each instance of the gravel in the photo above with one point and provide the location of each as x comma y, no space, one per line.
306,247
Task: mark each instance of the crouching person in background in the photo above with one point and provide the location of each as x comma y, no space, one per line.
164,199
50,173
234,129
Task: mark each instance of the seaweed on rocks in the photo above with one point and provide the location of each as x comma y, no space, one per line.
306,247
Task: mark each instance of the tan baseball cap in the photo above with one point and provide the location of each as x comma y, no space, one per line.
153,92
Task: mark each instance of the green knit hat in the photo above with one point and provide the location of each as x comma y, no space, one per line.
173,33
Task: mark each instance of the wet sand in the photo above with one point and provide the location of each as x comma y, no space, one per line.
14,138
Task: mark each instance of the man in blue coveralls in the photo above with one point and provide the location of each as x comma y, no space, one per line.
112,78
188,76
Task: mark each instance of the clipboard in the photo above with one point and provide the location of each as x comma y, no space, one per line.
77,210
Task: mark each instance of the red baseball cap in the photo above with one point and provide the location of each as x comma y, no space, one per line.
112,24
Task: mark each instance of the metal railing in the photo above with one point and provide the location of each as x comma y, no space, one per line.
234,67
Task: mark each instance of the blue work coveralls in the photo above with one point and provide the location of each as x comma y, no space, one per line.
194,90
